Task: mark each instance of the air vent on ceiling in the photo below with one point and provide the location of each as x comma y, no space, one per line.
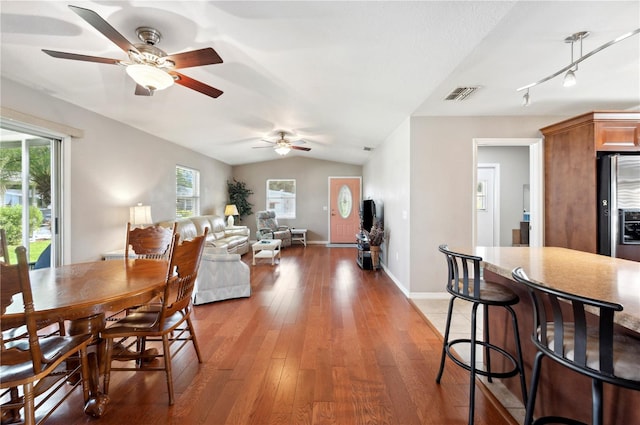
368,149
461,93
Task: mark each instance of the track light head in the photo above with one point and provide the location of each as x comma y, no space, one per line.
526,100
569,79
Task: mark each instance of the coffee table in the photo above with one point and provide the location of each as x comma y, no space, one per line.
266,248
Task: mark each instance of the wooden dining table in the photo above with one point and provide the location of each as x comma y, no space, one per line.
83,293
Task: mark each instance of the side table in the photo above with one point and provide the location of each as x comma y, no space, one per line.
299,235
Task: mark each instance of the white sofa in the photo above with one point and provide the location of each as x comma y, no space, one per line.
235,241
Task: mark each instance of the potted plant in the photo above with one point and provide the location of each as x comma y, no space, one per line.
376,237
238,194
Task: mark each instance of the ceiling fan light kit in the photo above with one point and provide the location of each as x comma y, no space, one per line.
150,77
570,76
150,67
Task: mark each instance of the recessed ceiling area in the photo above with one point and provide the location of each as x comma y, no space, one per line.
341,75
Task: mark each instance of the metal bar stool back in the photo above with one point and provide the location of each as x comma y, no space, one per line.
465,282
565,336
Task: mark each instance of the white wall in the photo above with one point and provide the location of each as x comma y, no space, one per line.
514,173
113,167
387,180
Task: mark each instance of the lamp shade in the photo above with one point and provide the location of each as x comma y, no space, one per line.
140,214
231,210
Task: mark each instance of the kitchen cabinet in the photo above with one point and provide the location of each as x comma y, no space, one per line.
570,176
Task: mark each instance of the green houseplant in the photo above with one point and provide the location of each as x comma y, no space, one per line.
238,195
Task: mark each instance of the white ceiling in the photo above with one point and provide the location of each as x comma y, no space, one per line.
342,75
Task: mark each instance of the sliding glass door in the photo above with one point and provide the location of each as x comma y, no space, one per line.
29,190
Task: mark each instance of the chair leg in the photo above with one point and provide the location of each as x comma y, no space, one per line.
535,377
29,407
107,364
446,340
516,335
487,350
194,339
596,395
84,372
167,366
472,363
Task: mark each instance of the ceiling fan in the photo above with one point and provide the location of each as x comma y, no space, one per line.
282,146
150,67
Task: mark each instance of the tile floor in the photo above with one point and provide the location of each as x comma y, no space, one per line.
436,312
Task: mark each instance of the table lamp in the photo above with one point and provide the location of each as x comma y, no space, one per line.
230,210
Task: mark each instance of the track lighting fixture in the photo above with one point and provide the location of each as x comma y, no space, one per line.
570,76
526,100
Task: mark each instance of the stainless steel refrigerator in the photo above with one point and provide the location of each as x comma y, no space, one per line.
619,206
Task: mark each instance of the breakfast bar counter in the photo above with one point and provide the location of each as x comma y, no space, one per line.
563,392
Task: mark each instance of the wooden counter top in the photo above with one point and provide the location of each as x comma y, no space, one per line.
590,275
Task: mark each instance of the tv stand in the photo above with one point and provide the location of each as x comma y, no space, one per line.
364,254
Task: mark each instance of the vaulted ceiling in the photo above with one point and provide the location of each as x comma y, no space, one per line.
341,75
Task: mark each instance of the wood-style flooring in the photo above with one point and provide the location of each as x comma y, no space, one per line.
319,341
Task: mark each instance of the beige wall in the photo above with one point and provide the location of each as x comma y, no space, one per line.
312,187
441,162
111,168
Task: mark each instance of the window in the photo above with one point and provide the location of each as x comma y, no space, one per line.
187,192
281,197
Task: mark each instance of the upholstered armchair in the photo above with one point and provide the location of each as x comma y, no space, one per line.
268,228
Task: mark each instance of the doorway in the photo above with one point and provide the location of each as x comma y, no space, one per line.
536,184
344,205
29,190
488,205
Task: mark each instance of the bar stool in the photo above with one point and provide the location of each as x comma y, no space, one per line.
464,282
597,351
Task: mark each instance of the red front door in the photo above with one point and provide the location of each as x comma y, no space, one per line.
344,194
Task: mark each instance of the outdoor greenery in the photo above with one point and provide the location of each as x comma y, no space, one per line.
35,249
39,171
11,222
238,195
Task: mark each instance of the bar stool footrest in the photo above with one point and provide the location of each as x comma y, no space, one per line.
557,420
499,375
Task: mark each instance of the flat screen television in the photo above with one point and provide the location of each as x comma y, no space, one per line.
367,214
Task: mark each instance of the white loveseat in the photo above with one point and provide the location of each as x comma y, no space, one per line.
221,276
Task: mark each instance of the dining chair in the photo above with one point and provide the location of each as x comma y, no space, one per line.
171,323
594,349
151,242
41,365
464,282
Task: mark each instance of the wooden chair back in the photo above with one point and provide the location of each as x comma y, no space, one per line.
151,242
183,270
14,280
4,248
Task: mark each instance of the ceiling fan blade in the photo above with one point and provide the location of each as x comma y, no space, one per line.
206,56
74,56
143,91
268,141
104,27
299,148
262,147
196,85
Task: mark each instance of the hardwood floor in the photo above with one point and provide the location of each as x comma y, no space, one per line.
318,342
